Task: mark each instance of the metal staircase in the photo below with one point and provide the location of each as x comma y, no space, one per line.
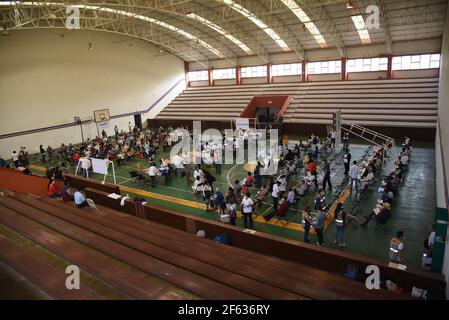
372,136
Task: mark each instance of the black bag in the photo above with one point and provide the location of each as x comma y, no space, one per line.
268,216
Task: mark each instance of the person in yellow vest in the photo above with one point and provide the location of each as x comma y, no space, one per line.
397,248
285,140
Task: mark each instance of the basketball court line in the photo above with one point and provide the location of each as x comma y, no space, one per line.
197,205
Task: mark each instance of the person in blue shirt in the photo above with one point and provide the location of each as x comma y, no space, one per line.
219,203
79,198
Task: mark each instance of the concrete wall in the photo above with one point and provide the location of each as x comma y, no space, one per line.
443,146
49,76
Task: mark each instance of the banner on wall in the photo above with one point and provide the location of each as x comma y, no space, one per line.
242,123
103,125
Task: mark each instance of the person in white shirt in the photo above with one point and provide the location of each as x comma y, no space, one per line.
430,241
152,172
198,173
197,186
178,162
275,194
85,166
354,173
310,179
15,159
247,210
283,186
404,159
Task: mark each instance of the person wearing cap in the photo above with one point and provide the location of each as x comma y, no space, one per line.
380,215
396,252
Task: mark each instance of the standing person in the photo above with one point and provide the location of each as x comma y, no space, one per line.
247,210
340,223
327,175
2,162
15,159
318,225
333,137
307,222
207,192
257,175
347,160
219,202
116,132
130,127
217,160
42,152
49,153
318,202
354,174
152,171
275,194
397,248
231,209
189,173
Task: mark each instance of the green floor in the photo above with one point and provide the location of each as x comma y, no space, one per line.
412,211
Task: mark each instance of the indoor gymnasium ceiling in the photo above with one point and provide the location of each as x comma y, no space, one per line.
202,30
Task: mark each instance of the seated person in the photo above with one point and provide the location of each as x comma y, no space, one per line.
291,197
281,210
79,199
310,179
52,193
304,186
261,195
283,206
380,215
404,159
366,181
65,192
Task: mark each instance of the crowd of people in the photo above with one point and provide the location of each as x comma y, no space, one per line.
298,173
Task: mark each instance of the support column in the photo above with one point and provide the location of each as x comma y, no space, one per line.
303,71
269,77
238,75
390,67
186,73
211,76
344,74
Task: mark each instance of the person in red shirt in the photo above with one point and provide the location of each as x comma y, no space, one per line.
52,193
282,211
75,158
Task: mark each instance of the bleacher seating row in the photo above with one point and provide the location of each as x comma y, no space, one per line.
151,260
391,103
